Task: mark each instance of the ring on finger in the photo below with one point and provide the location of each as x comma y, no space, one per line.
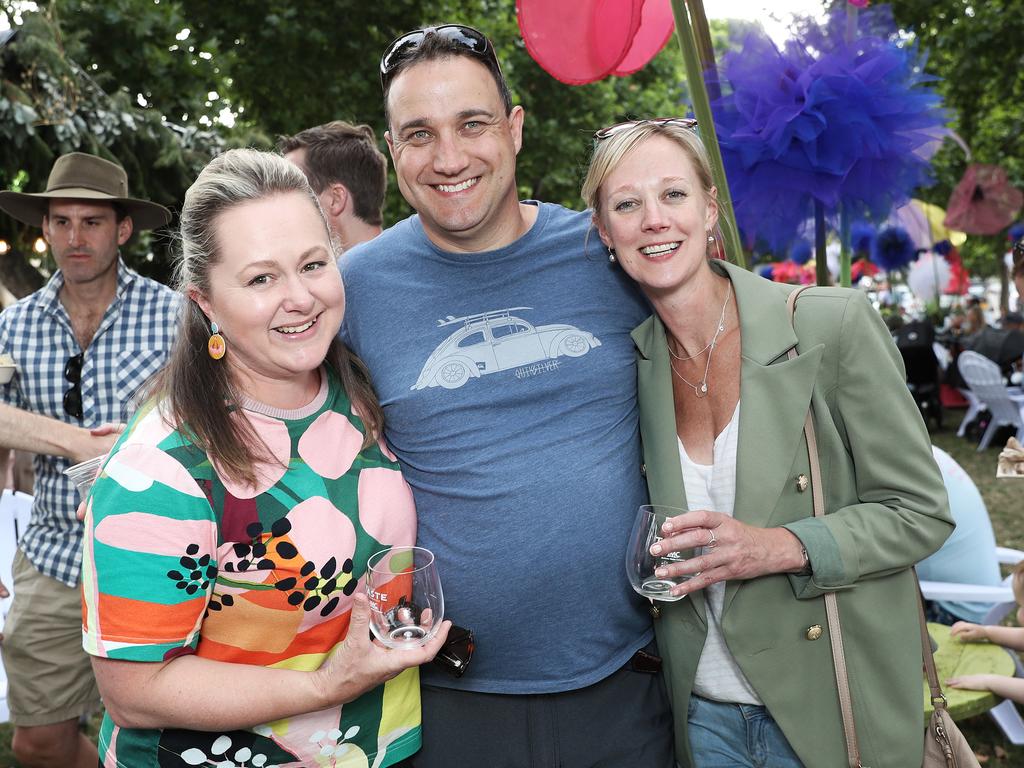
711,538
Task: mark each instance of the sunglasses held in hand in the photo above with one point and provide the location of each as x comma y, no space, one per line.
457,651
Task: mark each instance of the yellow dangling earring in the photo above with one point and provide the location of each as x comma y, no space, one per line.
216,346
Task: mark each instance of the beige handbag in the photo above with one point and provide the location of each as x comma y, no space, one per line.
944,745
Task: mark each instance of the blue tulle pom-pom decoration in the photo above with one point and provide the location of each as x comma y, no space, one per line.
801,252
943,248
893,249
840,123
1016,232
862,237
765,271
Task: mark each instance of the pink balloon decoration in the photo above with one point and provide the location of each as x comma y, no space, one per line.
656,25
579,41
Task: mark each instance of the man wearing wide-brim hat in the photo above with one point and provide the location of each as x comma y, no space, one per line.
83,346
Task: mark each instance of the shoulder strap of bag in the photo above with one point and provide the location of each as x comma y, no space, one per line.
831,605
938,697
835,633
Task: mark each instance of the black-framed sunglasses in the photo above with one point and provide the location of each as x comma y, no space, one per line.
611,130
73,397
457,651
402,47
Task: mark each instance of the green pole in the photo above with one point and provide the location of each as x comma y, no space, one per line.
845,261
702,109
845,256
820,259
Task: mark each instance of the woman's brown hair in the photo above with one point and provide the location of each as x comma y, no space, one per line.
198,393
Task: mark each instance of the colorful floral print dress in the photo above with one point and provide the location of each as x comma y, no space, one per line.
179,560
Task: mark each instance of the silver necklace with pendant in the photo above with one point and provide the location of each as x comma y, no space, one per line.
700,389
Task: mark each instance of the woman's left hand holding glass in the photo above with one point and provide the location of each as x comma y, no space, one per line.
726,549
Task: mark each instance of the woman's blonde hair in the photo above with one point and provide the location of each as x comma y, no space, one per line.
608,153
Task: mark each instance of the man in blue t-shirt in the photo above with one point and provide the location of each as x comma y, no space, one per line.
497,335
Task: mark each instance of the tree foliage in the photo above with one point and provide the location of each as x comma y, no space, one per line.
163,85
975,47
290,69
53,100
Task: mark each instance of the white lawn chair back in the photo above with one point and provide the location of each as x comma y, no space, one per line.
986,382
15,513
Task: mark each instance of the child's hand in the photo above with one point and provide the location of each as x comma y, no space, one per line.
972,682
966,632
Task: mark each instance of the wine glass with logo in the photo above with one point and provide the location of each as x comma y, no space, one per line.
641,564
406,602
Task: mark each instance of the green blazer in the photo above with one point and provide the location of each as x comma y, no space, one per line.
885,506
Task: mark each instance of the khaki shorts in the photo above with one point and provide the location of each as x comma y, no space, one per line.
49,676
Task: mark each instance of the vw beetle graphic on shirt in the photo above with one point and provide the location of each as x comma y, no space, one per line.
497,341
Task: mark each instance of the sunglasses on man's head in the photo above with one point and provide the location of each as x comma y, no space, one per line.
402,47
611,130
73,397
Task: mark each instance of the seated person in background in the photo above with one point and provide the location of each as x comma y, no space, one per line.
1013,321
1017,273
974,320
969,554
1009,637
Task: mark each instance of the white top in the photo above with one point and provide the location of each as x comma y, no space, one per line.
713,487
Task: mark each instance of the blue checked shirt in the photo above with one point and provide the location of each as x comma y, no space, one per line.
132,343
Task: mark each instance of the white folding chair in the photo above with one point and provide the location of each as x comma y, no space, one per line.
1000,597
15,513
986,382
974,407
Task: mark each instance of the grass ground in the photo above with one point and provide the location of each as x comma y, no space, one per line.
1005,502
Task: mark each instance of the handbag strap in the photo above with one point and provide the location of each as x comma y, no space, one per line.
835,633
938,697
832,606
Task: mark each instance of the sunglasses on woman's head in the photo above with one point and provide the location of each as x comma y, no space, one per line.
467,38
611,130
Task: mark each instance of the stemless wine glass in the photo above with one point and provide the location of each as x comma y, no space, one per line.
641,564
406,602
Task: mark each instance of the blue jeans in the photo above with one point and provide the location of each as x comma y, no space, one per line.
736,736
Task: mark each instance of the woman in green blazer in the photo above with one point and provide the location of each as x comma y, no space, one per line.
722,408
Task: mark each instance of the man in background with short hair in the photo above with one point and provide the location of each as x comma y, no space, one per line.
348,173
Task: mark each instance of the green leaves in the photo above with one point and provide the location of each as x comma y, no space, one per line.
123,79
976,49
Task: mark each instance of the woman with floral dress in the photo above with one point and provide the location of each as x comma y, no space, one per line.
229,529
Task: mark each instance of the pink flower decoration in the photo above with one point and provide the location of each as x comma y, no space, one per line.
656,25
136,466
274,433
330,445
155,534
859,3
580,41
386,507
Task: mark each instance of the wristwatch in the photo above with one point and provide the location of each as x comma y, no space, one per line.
805,570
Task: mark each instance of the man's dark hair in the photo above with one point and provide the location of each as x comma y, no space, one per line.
436,47
342,153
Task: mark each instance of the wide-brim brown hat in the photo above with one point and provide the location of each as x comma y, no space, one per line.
78,176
